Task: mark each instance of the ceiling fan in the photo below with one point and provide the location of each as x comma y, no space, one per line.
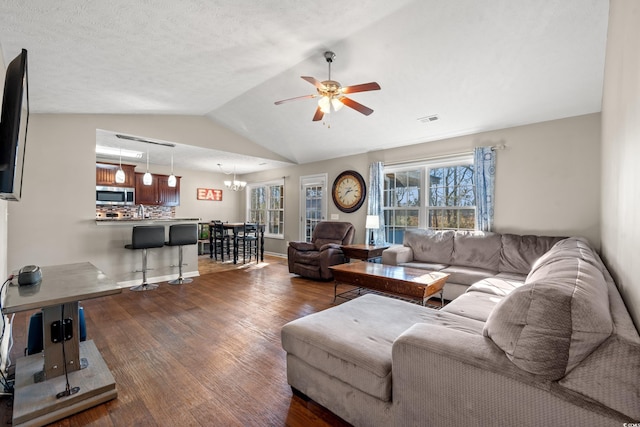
331,93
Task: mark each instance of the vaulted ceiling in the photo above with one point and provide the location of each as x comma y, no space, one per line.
475,64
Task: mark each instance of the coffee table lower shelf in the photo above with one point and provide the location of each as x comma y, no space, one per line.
411,283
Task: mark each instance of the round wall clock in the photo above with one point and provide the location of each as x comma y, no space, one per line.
349,191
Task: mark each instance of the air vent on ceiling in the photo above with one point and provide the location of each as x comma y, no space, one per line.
428,119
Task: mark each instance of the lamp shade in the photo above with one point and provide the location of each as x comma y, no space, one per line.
120,176
373,221
147,179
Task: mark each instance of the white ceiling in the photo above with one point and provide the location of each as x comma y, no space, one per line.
478,64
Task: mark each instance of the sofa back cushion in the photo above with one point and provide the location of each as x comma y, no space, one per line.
555,320
430,246
519,253
480,249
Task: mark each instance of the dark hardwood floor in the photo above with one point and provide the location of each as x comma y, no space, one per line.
201,354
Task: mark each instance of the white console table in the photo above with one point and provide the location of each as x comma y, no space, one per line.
40,382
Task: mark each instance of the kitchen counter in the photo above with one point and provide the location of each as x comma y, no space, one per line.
142,220
110,235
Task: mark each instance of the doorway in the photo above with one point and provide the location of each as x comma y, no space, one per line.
313,203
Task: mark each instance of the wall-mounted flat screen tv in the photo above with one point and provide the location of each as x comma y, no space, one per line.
13,127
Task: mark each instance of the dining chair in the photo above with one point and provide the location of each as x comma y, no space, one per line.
248,241
220,240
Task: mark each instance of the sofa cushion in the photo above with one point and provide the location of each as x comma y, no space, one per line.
308,257
473,305
515,277
519,253
424,265
477,249
466,275
430,246
496,286
556,319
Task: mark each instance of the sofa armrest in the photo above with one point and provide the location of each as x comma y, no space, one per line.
397,254
303,246
455,343
448,376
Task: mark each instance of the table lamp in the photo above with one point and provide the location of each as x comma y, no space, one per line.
372,223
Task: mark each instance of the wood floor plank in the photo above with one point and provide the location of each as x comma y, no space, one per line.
202,354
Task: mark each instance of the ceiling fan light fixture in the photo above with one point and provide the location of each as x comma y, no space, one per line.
332,93
325,104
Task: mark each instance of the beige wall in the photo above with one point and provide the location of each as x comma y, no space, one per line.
621,152
547,179
542,187
53,223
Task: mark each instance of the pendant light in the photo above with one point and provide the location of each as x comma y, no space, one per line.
172,178
147,179
120,176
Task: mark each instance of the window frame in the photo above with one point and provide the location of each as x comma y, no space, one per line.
423,207
267,212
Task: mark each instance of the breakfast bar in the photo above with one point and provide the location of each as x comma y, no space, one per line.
123,265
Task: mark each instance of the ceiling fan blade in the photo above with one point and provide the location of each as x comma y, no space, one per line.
361,88
317,83
355,105
296,98
318,115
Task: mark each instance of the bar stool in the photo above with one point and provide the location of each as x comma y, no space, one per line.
180,235
145,237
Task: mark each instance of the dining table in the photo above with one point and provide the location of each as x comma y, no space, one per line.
236,228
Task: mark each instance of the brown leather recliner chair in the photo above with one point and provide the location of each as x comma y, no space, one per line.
312,259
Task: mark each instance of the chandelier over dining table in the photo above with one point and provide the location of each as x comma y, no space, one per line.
235,184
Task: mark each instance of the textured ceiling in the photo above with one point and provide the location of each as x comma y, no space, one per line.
478,65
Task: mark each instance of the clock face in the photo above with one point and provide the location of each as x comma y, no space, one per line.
349,191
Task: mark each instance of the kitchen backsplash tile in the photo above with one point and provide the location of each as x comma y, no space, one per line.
128,212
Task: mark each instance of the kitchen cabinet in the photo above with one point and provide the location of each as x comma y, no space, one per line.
158,193
106,175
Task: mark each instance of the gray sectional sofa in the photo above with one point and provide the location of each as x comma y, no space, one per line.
468,256
556,346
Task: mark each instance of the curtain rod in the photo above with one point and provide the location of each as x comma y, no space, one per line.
441,157
424,159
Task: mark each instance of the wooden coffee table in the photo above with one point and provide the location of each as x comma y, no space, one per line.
403,281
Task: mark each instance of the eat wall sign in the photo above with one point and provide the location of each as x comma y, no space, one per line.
209,194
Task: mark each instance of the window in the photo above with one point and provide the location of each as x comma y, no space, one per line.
437,195
266,206
401,202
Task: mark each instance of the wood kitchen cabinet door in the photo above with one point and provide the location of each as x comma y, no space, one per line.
146,194
168,196
158,193
106,175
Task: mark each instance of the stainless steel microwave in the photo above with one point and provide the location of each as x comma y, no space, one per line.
119,196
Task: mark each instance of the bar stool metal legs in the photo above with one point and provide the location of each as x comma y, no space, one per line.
180,280
180,235
144,286
145,237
